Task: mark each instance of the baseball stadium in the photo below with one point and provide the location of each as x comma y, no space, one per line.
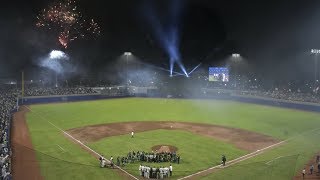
145,89
64,140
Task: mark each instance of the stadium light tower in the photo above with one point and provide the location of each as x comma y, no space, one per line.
316,52
127,54
56,85
236,58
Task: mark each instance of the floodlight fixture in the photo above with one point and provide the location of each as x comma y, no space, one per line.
315,51
236,55
128,53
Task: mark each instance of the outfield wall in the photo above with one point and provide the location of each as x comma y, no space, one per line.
246,99
63,98
277,102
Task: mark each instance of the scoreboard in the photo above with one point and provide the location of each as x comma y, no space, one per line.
219,74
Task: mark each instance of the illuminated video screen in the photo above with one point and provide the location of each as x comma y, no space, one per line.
218,74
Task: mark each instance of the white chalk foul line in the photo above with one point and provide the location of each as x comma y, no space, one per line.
76,140
61,148
274,160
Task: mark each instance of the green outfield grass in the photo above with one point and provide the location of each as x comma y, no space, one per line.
280,123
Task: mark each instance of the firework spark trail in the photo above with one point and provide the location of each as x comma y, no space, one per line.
67,22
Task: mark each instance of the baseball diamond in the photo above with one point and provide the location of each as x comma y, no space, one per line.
198,131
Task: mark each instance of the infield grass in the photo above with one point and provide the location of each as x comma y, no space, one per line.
197,152
279,123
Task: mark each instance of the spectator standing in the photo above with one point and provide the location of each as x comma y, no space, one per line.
311,169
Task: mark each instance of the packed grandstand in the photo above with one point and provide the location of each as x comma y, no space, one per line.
8,101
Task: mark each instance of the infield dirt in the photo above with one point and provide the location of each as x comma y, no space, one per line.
242,139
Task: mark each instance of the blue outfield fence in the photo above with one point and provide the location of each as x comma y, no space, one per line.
279,103
246,99
60,99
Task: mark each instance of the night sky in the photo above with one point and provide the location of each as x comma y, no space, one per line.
274,37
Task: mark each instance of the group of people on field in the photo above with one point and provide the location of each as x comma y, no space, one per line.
312,168
105,163
155,173
154,157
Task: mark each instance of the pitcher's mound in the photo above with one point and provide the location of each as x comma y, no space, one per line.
164,148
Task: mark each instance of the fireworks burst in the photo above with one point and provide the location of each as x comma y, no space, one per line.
94,28
64,19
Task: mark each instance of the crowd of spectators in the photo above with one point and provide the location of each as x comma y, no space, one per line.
41,91
283,94
298,91
7,106
313,97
